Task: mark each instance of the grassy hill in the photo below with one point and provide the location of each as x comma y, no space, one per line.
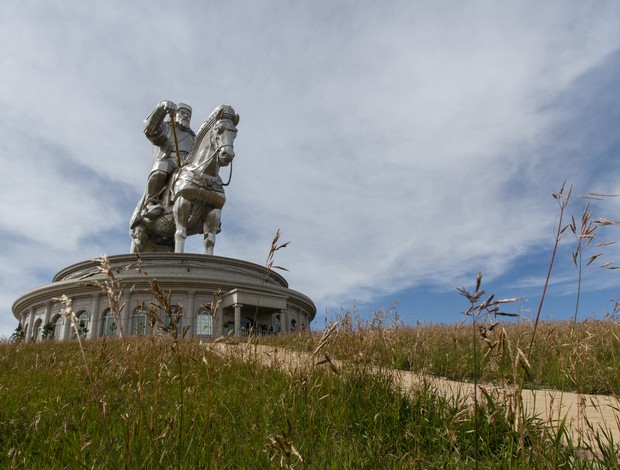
159,402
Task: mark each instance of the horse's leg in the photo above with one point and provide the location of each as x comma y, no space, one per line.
138,239
210,226
181,216
134,243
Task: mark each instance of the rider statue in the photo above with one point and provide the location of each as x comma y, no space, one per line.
167,137
184,193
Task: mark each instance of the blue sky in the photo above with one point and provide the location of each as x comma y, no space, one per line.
402,147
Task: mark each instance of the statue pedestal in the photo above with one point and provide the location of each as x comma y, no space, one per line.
250,297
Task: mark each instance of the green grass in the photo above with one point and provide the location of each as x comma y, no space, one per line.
155,403
161,403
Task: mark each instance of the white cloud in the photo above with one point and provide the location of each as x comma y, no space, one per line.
395,145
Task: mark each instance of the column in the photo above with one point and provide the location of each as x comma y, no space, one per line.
30,325
23,319
283,321
237,308
46,316
189,314
67,328
48,313
126,314
95,318
220,319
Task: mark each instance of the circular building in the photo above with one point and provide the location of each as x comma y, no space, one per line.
201,295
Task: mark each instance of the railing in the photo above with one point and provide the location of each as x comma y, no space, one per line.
245,332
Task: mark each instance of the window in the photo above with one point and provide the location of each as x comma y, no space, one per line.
204,322
139,323
246,324
82,323
37,333
293,324
178,318
108,324
180,325
57,324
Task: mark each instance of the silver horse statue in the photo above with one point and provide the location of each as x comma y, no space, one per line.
194,195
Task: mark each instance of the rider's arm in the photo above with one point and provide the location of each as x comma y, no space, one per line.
154,126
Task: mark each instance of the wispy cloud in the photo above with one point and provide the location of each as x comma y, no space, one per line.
396,145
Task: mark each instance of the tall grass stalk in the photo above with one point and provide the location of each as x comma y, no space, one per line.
562,200
270,265
112,288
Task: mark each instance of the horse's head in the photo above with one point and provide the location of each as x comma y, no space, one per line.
214,142
223,134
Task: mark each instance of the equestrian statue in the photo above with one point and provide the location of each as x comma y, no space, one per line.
184,193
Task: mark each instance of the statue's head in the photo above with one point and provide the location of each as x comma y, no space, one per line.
225,131
183,115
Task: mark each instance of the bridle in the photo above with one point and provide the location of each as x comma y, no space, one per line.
215,152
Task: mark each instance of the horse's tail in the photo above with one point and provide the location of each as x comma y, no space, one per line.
136,217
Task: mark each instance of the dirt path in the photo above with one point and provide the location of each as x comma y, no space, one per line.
585,414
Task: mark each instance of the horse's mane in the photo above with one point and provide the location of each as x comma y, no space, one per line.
206,127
